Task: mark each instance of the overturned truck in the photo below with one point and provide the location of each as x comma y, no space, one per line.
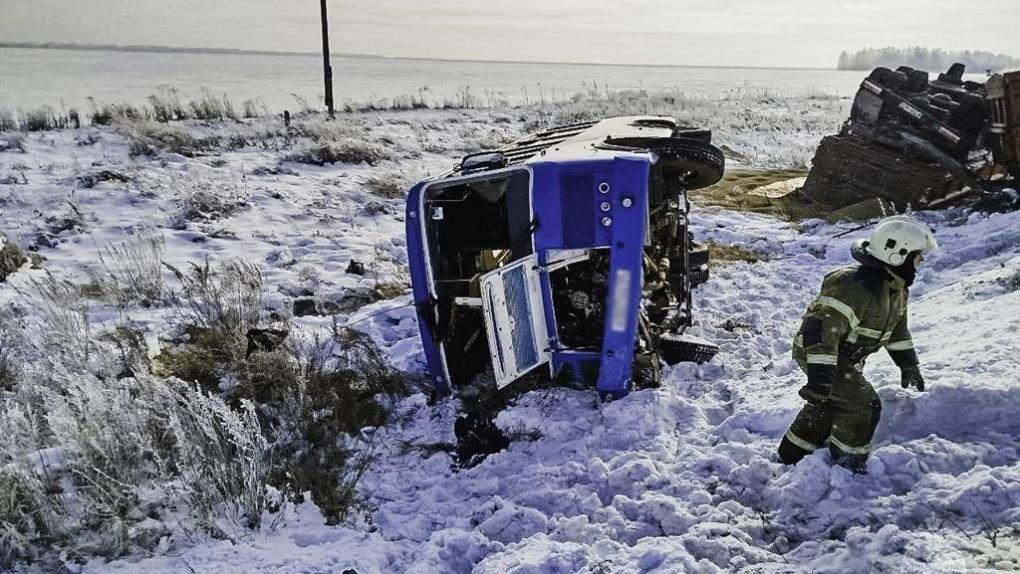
565,255
912,142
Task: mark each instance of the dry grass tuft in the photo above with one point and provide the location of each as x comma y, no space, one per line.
148,137
339,151
134,268
718,252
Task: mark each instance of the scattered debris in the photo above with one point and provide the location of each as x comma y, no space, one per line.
356,267
74,220
305,307
477,437
732,325
89,180
779,189
273,170
373,208
264,339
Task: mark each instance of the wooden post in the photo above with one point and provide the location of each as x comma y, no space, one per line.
326,68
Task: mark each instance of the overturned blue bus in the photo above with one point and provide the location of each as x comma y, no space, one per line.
565,254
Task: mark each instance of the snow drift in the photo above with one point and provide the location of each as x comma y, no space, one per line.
676,479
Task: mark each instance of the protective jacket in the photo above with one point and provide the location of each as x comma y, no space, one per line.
859,309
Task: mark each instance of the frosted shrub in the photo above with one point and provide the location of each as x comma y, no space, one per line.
388,186
104,436
167,106
462,99
409,101
30,513
61,324
226,298
135,267
253,108
212,107
222,457
40,120
146,137
346,150
207,203
11,141
317,403
55,326
8,357
104,114
102,466
215,309
327,131
7,123
336,141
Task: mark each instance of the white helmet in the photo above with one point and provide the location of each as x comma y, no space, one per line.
896,237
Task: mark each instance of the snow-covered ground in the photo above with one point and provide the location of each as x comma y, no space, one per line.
676,479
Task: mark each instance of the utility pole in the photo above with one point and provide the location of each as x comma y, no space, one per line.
327,70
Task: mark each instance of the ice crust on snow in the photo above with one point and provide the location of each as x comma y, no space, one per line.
676,479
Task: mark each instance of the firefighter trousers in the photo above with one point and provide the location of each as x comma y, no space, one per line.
846,419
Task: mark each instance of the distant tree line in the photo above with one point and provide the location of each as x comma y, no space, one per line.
936,60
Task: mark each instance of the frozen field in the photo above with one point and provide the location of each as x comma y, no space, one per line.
66,78
676,479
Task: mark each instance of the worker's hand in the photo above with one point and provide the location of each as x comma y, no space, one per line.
910,376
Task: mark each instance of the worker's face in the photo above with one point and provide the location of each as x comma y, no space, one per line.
918,259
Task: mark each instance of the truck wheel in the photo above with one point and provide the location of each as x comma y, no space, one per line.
676,348
698,256
704,161
646,374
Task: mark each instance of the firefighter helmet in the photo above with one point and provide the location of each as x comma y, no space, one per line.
896,237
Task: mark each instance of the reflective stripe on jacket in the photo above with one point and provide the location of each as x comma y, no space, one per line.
858,310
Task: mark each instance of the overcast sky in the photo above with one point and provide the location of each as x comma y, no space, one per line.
700,32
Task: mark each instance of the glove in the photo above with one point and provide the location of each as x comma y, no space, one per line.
910,376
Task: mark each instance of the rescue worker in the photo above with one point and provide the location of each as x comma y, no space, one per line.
860,309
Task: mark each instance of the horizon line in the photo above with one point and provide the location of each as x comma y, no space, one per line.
157,49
